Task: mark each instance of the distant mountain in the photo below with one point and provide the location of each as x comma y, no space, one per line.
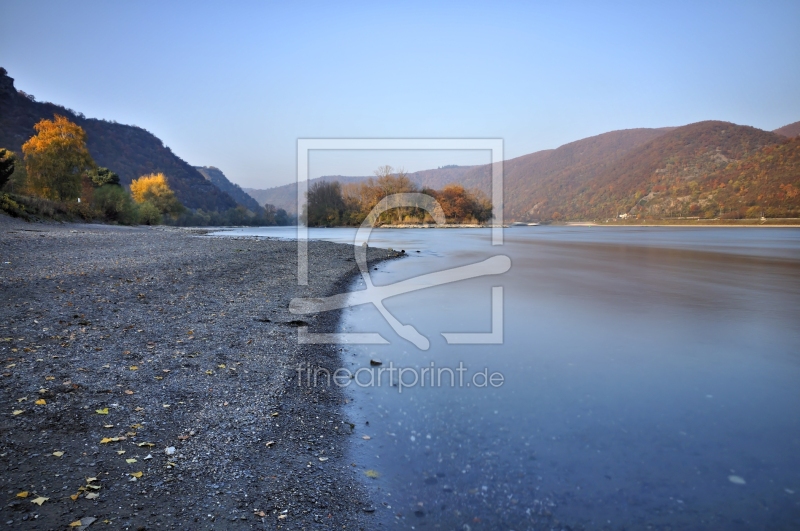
704,169
667,176
524,176
128,150
789,130
285,196
219,180
547,177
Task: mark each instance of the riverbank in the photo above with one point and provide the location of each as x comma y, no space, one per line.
160,363
782,223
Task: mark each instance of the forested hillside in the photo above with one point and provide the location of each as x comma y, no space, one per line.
128,150
789,130
219,180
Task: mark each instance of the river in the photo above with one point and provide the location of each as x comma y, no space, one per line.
646,378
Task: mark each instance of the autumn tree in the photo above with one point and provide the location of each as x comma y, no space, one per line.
56,159
7,162
153,189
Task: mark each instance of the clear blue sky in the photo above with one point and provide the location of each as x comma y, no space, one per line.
234,84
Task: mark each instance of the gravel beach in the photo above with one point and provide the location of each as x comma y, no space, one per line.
149,382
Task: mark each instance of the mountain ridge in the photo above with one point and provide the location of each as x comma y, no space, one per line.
128,150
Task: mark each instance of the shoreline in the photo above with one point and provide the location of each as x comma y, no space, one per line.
187,341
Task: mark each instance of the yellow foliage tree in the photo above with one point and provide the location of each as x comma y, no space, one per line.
154,189
56,159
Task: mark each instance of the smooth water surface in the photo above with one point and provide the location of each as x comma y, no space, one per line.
651,381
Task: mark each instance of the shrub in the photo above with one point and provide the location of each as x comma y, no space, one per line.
149,214
115,204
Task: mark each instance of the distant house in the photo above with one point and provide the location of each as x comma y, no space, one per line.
623,216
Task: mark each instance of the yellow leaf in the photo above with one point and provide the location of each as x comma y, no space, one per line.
374,474
93,487
18,412
23,494
75,496
103,411
159,377
137,474
137,426
134,368
41,402
209,372
120,452
40,500
221,366
89,480
58,454
76,523
49,378
130,461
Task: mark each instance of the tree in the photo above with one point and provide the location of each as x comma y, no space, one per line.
154,189
103,176
56,159
325,206
7,163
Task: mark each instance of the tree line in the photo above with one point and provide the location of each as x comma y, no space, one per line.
58,178
331,203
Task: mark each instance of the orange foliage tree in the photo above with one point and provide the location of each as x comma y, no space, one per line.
154,189
56,159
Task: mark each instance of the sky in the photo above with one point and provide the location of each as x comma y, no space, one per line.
235,84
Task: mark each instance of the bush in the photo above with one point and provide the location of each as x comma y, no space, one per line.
7,163
149,214
12,208
115,204
103,176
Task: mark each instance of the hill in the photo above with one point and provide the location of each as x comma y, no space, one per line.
128,150
789,130
525,177
285,196
663,177
218,179
704,169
